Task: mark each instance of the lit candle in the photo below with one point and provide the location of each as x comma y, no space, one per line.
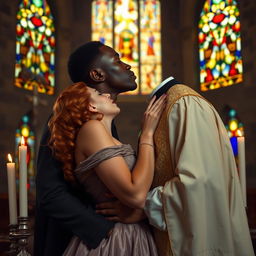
23,196
12,191
241,165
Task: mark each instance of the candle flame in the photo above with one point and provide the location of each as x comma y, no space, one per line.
22,141
10,158
239,133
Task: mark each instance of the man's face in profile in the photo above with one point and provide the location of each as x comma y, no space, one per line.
118,74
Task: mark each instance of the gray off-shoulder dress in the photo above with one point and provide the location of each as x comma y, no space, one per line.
126,239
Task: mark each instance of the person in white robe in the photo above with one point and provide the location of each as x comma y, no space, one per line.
195,205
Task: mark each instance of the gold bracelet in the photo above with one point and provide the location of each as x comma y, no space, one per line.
145,143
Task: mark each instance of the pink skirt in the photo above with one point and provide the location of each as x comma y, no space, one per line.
125,240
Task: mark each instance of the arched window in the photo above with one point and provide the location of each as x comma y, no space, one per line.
25,129
220,45
35,46
234,127
132,28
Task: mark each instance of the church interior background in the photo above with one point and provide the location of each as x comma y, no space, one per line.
206,44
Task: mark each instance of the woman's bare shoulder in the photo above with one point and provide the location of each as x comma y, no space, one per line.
92,126
93,137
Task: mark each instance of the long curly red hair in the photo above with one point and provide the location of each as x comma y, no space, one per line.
70,112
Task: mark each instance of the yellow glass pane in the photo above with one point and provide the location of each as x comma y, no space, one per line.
220,45
126,34
150,48
35,47
102,25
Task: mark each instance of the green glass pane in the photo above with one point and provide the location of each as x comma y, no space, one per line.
35,47
219,45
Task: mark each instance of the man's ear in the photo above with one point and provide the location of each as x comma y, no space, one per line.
92,108
97,75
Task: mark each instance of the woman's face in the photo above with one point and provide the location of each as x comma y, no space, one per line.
102,103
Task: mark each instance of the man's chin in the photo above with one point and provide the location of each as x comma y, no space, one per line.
132,88
128,89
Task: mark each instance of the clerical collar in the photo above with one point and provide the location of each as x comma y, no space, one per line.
164,87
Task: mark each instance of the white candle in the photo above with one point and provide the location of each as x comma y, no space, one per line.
241,166
23,196
12,191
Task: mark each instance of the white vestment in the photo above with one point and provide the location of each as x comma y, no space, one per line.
201,206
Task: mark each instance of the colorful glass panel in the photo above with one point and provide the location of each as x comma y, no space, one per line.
234,127
138,43
150,48
35,46
220,45
126,34
102,21
25,129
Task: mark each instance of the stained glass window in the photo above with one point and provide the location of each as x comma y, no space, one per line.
132,27
150,48
234,127
102,21
220,45
35,46
25,129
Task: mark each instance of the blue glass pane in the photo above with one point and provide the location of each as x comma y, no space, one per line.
233,141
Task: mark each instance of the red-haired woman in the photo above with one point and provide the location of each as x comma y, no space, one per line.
81,139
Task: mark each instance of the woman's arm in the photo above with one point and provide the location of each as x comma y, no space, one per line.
129,187
56,200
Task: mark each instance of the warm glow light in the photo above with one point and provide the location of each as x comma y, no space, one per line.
239,133
25,131
10,158
22,141
233,125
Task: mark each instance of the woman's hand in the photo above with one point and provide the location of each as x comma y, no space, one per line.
152,116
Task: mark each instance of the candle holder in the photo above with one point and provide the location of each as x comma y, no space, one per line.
13,249
22,236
